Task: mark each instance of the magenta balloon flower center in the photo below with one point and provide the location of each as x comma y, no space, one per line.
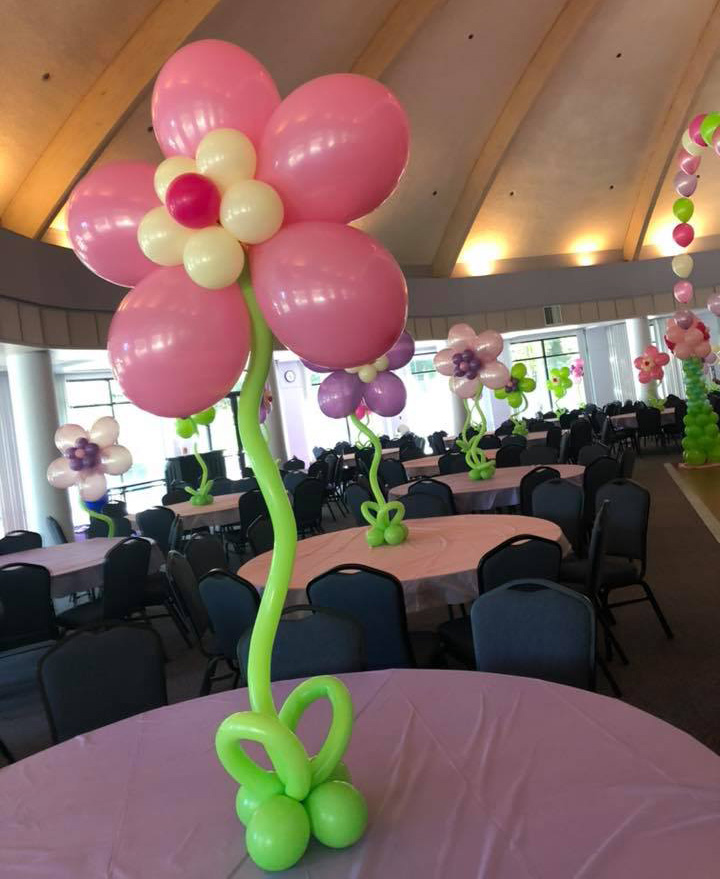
467,364
193,201
84,455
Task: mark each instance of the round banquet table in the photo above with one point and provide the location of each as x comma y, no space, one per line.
428,466
437,564
75,567
503,490
629,419
222,511
535,437
349,458
465,775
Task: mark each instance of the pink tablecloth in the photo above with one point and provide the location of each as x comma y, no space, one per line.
222,511
503,490
436,564
629,419
349,458
75,567
466,775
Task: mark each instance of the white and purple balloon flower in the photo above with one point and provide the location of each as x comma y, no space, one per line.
87,456
384,393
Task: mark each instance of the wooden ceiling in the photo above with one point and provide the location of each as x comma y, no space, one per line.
542,130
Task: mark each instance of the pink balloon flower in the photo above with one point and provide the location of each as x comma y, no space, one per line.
87,456
650,365
248,175
471,361
577,369
686,336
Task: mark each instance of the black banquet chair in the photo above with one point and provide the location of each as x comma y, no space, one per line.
100,676
156,523
529,483
588,454
251,504
355,497
392,472
452,462
260,535
175,496
509,456
27,616
490,441
601,471
310,641
427,485
375,600
420,505
205,552
561,502
99,528
308,500
293,463
55,530
20,541
534,455
535,628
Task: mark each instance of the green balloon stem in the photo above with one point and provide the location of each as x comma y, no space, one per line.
101,517
475,457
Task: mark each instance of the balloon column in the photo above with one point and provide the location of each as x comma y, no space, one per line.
687,337
472,363
515,393
374,387
185,428
86,457
265,186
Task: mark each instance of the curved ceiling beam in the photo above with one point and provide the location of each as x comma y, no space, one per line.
662,147
96,117
400,26
563,31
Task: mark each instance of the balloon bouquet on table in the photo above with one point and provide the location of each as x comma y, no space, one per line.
87,456
376,388
515,394
263,189
559,383
471,361
686,336
186,428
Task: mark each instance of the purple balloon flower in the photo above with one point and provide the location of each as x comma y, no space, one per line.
340,394
402,351
386,394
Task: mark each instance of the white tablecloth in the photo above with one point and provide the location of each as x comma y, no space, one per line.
75,567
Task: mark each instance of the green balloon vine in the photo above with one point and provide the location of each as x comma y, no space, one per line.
280,808
101,517
701,443
185,428
384,517
475,457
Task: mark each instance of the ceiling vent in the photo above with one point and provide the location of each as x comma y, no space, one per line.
553,315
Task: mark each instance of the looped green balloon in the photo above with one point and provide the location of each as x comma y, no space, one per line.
101,517
479,467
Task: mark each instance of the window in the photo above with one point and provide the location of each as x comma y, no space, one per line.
542,355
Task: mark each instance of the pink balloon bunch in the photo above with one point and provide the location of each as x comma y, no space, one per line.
686,336
471,361
245,174
650,365
87,456
577,369
372,385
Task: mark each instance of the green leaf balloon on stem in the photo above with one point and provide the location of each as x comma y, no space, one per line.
186,428
471,362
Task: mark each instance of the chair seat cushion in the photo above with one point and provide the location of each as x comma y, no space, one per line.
616,572
81,615
457,639
427,649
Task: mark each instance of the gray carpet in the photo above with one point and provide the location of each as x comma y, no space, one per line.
676,680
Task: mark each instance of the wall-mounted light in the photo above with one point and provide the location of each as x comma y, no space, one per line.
585,251
478,257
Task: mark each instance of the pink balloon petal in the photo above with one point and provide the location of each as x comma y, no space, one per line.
461,336
465,388
443,362
495,375
489,345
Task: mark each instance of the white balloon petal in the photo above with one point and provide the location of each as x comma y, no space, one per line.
116,460
59,474
93,486
105,431
226,156
168,170
382,363
682,265
367,373
161,239
252,211
213,258
690,146
68,434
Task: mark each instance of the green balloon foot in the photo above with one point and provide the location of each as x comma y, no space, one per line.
338,814
278,833
484,471
201,500
392,535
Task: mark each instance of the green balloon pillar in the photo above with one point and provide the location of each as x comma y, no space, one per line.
302,795
385,518
701,443
478,465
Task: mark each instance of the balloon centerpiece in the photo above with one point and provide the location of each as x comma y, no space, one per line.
86,457
577,369
186,428
687,337
261,188
371,387
471,361
514,392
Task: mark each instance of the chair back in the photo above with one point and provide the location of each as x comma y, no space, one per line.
319,470
205,552
294,464
292,479
27,615
355,496
115,509
648,421
524,555
375,600
177,533
98,677
437,444
124,576
509,456
98,528
539,455
564,450
581,434
156,523
627,464
20,541
627,519
232,604
588,454
490,441
426,485
184,584
55,530
529,483
553,437
175,496
515,439
311,641
452,462
392,472
535,628
601,470
561,502
308,503
249,483
260,535
596,551
222,485
363,459
251,504
319,452
424,506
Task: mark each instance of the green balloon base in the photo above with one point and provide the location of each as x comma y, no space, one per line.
202,500
701,443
